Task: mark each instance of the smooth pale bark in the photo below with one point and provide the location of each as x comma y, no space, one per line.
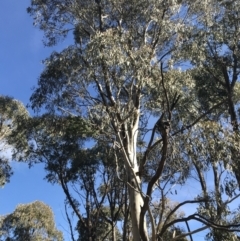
127,137
134,181
135,204
113,230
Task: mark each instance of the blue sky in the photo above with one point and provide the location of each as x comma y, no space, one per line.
21,53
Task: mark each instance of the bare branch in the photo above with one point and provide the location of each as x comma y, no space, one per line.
69,223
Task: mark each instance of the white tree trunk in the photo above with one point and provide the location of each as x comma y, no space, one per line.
135,202
128,141
134,181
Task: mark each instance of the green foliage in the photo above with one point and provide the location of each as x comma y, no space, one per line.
28,222
118,82
11,113
100,229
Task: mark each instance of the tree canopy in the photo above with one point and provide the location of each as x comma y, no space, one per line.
29,222
153,85
12,112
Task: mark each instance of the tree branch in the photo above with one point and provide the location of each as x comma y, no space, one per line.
69,223
189,233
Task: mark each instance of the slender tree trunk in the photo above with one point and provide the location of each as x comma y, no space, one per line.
129,141
235,127
135,201
135,204
113,231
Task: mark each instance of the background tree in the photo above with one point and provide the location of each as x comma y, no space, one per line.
87,175
214,52
12,112
29,222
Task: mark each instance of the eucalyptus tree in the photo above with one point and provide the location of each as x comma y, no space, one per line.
28,222
119,76
214,51
87,175
11,113
212,159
